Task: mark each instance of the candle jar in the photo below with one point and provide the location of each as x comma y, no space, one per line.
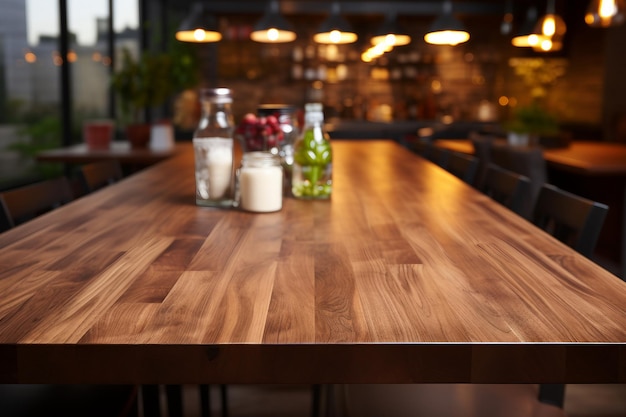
216,152
260,182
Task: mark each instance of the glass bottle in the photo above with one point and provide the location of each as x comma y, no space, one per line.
313,157
286,116
216,152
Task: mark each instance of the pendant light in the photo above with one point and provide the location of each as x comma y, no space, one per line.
335,29
526,36
551,29
446,30
273,28
389,33
605,13
199,26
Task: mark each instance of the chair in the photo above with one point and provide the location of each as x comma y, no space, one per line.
422,147
574,220
506,187
24,203
525,161
100,174
463,166
482,150
439,156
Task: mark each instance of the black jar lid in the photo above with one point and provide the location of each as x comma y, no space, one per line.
270,109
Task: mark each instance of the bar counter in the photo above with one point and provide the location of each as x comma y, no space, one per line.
408,275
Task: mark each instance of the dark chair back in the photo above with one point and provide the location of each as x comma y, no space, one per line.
574,220
528,162
24,203
422,147
439,156
463,166
506,187
482,151
100,174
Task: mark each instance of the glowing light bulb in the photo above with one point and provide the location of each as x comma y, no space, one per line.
546,45
199,35
549,26
272,34
607,9
335,36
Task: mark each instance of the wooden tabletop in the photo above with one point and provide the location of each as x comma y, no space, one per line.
119,150
579,157
406,275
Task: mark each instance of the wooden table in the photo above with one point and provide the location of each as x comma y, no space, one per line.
407,276
580,157
121,151
596,170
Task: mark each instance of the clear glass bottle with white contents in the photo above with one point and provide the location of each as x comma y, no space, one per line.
216,152
260,182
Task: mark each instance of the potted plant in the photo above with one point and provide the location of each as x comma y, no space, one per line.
146,83
529,123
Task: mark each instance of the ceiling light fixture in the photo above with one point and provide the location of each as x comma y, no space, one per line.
605,13
550,29
273,28
389,33
526,37
199,26
446,30
335,29
551,24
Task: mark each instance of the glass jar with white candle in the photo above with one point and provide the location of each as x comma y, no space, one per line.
260,182
216,151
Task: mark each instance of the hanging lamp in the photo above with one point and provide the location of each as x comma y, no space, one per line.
446,29
273,28
550,29
526,36
605,13
199,26
335,29
390,33
551,24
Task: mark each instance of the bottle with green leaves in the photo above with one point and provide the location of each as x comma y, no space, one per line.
313,157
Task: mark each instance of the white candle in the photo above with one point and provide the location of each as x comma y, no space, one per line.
261,183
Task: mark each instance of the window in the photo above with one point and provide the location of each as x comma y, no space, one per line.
31,105
29,85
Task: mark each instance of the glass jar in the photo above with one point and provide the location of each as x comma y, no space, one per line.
286,116
312,158
260,182
216,152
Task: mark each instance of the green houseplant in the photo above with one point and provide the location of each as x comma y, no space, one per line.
149,82
529,123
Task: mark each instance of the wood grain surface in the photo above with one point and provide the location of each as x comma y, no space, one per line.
407,275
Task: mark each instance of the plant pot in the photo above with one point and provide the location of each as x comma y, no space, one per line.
138,135
518,139
98,134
